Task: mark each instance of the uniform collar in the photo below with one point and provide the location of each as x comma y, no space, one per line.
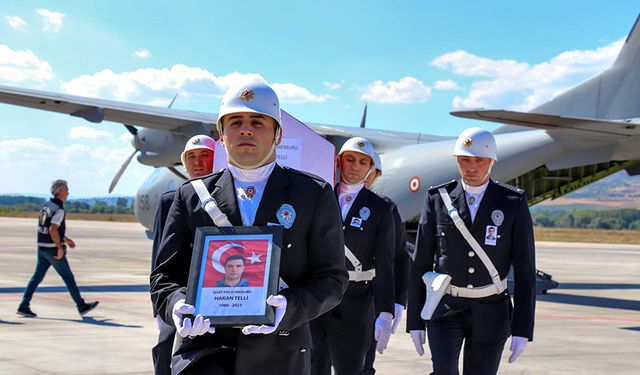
252,175
475,190
344,188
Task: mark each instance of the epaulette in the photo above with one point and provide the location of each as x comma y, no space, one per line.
303,173
441,185
510,187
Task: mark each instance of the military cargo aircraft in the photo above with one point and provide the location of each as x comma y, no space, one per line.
578,137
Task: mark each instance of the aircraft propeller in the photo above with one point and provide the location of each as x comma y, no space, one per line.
136,143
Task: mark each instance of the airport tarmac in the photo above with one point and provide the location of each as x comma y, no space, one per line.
589,325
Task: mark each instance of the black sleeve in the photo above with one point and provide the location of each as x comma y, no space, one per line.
423,258
384,253
401,269
327,277
524,271
169,277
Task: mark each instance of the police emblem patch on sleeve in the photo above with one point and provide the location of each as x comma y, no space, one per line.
286,215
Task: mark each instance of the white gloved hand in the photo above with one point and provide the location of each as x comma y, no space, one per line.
184,326
397,316
382,331
518,345
280,303
418,337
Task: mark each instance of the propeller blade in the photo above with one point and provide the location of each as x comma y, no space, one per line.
131,129
116,178
177,173
173,100
364,117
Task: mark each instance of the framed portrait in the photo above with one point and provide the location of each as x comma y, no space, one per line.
233,272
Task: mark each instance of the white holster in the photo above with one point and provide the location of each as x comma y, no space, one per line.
437,285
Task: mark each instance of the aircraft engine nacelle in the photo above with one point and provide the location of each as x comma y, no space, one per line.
160,148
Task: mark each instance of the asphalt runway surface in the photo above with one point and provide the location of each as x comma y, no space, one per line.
589,325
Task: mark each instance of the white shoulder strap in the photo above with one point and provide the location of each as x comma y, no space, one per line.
219,218
457,220
209,204
358,274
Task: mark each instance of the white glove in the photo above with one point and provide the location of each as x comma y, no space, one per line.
418,337
518,345
184,326
280,303
397,316
382,331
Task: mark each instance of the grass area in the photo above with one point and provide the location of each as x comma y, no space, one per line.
72,216
587,235
541,234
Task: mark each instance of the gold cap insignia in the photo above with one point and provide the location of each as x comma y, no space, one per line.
468,142
196,141
247,95
360,144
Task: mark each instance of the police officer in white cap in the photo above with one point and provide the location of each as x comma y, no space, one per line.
400,268
253,190
197,159
476,308
342,337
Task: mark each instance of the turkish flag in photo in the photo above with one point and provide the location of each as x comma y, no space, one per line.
251,252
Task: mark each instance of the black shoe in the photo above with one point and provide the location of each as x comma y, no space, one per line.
26,312
88,307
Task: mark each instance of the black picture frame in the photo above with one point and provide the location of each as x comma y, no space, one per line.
243,303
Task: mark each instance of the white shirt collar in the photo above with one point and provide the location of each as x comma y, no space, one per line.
252,175
344,188
475,190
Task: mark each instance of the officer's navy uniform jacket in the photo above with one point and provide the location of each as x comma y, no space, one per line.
162,352
440,243
372,242
312,265
400,274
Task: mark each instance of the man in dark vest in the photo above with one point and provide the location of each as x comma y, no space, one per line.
197,159
52,247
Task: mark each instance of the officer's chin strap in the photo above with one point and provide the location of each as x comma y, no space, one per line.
373,168
274,144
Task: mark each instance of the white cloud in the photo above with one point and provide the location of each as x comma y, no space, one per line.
291,93
445,85
142,53
520,85
333,85
23,68
88,167
52,20
157,86
16,23
406,90
86,132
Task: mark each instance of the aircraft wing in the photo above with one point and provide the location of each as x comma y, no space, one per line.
97,110
597,127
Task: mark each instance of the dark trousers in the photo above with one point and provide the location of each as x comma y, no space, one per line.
341,345
371,356
163,350
446,337
45,260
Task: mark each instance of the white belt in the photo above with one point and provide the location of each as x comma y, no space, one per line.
367,275
476,292
358,274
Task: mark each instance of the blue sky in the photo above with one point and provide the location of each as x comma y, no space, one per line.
412,61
